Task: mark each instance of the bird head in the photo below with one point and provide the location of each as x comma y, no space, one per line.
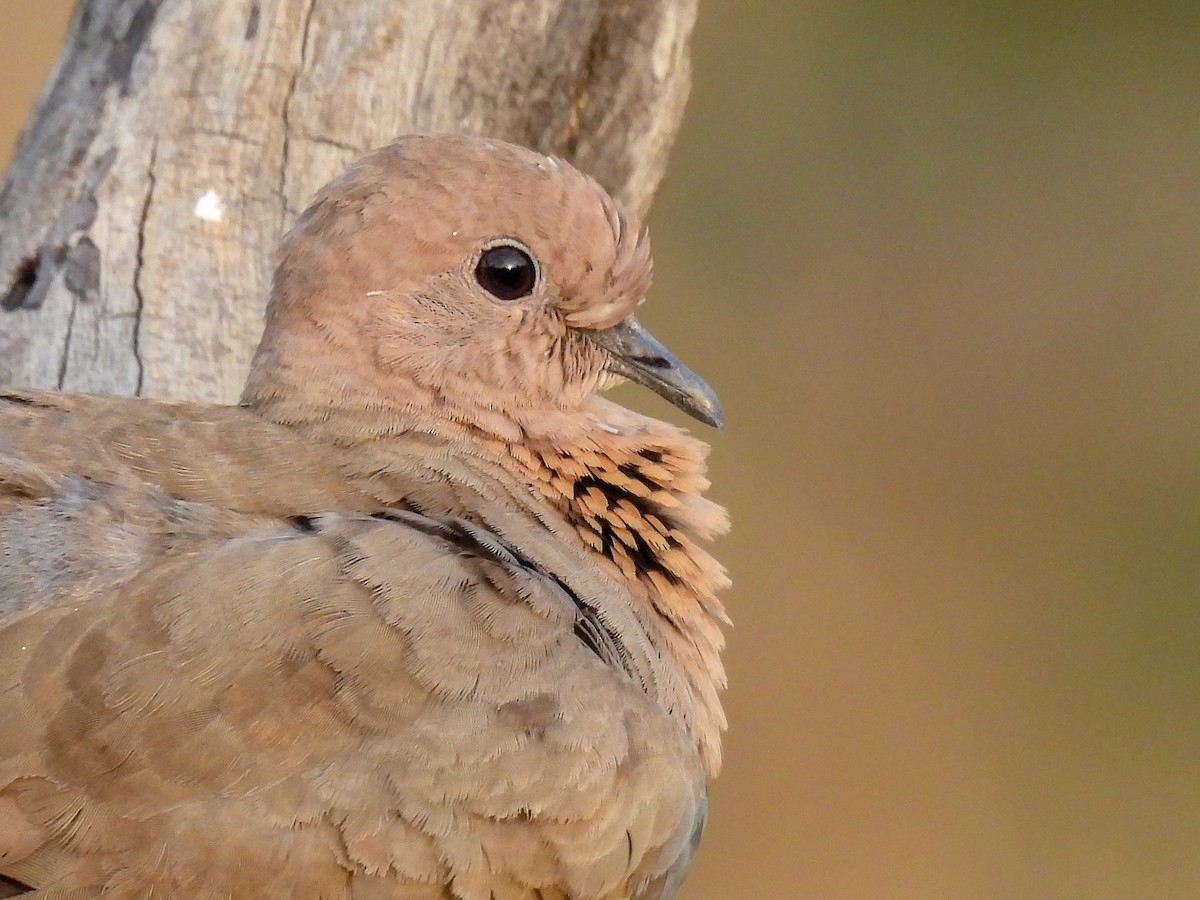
474,271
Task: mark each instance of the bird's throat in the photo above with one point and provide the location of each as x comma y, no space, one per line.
634,497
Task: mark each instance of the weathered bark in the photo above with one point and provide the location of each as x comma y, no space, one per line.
177,139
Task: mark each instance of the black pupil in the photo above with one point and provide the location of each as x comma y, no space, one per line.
506,272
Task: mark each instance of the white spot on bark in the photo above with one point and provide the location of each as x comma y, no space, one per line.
209,207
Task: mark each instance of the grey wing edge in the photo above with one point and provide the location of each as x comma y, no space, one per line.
691,829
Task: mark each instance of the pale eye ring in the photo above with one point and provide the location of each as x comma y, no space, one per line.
507,270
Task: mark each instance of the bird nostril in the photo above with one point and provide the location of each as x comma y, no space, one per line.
653,362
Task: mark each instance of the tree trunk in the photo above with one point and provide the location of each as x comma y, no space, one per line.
177,140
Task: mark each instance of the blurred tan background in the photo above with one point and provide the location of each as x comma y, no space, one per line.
942,261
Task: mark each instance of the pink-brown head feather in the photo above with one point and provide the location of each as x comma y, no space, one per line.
382,267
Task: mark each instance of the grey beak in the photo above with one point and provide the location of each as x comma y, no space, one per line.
637,355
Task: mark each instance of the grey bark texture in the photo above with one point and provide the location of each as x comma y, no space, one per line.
177,139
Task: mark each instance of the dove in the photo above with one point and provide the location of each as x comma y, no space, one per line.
424,616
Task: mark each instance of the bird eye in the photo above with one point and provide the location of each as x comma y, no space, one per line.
506,272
